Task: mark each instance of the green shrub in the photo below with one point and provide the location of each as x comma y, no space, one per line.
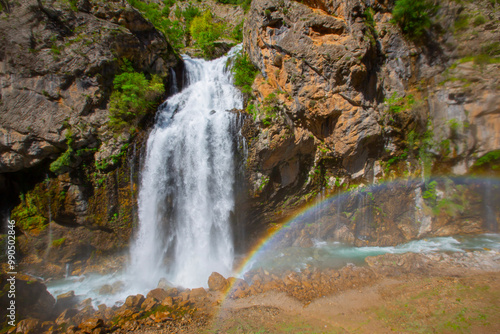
245,4
173,30
64,160
237,32
61,164
489,158
244,72
461,22
479,20
205,32
491,49
133,96
413,16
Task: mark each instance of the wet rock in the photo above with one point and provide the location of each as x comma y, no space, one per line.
65,301
85,303
66,316
29,326
158,294
106,290
117,286
91,324
164,284
32,298
217,282
134,302
149,303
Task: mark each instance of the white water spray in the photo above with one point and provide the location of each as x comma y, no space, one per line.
186,194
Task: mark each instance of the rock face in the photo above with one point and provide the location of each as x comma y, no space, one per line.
58,64
31,297
345,98
58,61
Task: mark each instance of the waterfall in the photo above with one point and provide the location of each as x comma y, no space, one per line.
186,195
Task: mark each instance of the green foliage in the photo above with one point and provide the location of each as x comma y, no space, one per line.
413,16
461,22
205,32
430,193
72,4
491,49
58,242
252,110
245,4
27,214
491,158
237,32
133,96
54,48
479,20
397,104
394,160
264,180
173,30
244,72
61,163
115,158
371,32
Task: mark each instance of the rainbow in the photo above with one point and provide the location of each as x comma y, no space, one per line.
273,234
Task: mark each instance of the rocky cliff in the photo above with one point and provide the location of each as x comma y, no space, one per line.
58,61
345,98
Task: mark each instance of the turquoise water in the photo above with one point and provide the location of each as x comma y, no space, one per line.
336,254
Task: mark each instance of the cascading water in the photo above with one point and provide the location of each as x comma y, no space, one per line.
186,194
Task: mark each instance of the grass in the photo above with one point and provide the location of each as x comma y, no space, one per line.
437,308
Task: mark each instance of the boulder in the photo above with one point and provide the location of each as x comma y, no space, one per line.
134,302
198,293
65,301
158,294
149,303
29,326
164,284
168,301
90,324
66,316
106,290
32,298
217,282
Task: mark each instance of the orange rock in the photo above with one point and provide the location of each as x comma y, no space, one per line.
217,282
158,294
168,301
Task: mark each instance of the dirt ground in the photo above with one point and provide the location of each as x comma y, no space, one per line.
411,304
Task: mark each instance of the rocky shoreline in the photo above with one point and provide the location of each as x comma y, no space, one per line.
173,310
